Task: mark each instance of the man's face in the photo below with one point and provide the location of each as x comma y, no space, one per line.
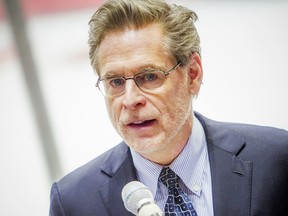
158,124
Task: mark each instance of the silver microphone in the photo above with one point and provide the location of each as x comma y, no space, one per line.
139,200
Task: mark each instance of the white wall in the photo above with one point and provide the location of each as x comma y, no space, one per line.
245,64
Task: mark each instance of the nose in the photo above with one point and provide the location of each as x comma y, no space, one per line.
133,96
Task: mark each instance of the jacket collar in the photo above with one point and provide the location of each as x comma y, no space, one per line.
118,165
231,176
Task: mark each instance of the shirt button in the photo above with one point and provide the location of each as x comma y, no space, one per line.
196,188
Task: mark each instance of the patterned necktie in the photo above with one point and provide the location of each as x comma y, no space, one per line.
178,202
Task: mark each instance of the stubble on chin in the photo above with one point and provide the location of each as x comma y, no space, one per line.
143,145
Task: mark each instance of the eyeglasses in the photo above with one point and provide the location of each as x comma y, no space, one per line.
147,80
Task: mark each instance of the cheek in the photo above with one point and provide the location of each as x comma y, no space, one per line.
177,105
113,111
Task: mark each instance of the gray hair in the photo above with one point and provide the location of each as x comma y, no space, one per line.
180,35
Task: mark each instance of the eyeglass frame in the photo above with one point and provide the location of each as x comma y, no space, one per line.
133,78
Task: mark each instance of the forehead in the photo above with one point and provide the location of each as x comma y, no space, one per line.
132,49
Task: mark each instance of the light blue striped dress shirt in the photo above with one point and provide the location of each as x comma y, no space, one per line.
192,166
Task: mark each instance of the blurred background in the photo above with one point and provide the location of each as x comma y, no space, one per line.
53,119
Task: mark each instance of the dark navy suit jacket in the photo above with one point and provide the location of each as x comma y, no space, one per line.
249,170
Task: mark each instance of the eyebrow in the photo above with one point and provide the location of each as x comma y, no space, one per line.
109,75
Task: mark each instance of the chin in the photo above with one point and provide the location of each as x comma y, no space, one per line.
147,145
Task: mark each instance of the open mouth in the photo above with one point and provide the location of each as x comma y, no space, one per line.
142,123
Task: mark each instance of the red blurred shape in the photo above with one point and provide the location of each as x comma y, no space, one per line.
37,7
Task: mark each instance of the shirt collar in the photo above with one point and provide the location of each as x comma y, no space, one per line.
189,165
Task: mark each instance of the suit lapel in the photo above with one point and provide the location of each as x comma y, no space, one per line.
121,171
231,183
231,176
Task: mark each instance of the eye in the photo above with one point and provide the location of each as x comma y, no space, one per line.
150,79
117,82
150,76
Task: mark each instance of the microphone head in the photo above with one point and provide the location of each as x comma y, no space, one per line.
132,193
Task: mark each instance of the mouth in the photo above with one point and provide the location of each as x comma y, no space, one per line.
140,124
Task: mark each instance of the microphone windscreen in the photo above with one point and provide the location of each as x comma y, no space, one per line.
132,193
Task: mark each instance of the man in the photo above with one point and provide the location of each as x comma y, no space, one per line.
147,57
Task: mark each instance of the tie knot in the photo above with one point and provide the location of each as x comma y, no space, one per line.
169,178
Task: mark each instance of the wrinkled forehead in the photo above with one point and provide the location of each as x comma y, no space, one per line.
132,48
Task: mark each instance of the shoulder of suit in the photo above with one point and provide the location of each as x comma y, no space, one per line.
243,129
91,171
259,140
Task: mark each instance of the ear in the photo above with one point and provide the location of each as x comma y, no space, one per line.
195,73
